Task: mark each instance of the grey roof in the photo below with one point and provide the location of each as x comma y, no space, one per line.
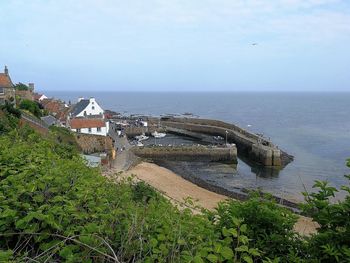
79,107
49,120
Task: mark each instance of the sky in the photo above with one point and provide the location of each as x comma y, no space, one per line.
177,45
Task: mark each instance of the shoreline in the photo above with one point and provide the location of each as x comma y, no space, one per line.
241,194
178,189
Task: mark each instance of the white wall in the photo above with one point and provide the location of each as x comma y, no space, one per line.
92,109
42,97
94,131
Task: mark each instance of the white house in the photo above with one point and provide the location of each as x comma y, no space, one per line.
87,108
89,126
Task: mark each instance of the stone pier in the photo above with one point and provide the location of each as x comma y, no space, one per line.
188,153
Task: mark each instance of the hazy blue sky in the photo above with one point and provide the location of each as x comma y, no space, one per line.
177,44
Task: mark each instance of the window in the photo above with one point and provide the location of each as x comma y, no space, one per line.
85,112
2,91
98,129
90,130
78,130
93,107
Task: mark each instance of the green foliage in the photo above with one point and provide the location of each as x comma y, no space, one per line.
269,226
21,86
332,243
63,136
31,106
9,118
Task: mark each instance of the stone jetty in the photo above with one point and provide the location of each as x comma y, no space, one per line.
253,146
188,153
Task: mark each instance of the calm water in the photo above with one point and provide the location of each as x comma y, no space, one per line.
314,127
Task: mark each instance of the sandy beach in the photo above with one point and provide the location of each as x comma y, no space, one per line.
178,189
174,186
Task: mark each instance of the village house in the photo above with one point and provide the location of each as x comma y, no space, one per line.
7,91
39,97
87,116
54,107
87,108
89,126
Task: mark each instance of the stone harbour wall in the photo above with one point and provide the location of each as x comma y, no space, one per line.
188,153
94,143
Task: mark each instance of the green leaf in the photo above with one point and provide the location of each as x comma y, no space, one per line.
243,239
212,258
247,259
181,242
227,253
242,249
254,252
153,242
5,255
225,232
197,259
233,232
243,228
161,237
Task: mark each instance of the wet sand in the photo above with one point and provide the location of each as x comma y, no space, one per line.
176,188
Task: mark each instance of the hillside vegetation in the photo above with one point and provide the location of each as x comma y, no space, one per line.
53,208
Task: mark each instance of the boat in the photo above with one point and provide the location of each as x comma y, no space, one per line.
139,144
141,137
218,138
158,134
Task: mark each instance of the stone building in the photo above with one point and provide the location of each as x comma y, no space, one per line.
7,91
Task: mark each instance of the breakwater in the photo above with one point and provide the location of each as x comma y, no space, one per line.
253,146
188,153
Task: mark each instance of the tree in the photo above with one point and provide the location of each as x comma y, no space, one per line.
21,86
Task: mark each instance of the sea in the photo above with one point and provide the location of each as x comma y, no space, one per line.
313,127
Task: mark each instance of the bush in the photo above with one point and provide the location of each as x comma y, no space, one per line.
332,243
21,86
269,226
9,118
31,106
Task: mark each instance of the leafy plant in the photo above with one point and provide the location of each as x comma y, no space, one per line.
31,106
332,242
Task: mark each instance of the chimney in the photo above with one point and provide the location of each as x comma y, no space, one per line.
31,86
6,71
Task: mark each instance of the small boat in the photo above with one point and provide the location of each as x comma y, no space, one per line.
139,144
218,138
158,134
141,137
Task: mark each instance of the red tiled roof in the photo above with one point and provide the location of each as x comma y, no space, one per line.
5,81
53,106
87,123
